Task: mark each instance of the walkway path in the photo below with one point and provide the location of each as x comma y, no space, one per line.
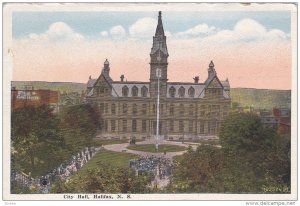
123,148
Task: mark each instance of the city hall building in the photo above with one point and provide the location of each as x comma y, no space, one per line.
187,110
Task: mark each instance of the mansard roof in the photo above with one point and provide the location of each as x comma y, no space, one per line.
117,87
198,89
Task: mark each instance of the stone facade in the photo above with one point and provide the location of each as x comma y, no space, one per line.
189,110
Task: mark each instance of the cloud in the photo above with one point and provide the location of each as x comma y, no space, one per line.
117,32
104,33
199,30
57,32
143,28
247,30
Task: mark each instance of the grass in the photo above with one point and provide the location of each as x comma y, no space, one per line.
118,159
161,148
203,142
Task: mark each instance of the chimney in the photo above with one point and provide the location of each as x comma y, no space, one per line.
196,79
122,78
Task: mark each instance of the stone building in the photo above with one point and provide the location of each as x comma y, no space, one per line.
189,110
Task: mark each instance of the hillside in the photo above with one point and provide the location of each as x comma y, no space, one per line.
261,98
258,98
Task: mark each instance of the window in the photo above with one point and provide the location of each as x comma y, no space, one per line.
113,109
181,109
144,108
106,108
190,126
125,108
101,107
202,113
144,125
181,92
191,92
113,125
134,125
124,126
171,109
191,109
201,127
134,91
172,92
144,91
212,127
154,109
181,126
125,91
171,128
134,109
161,108
105,125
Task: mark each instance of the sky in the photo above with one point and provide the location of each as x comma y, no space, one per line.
250,48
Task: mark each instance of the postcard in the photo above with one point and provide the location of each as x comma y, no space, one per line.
150,101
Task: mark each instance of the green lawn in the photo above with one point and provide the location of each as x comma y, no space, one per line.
161,148
104,156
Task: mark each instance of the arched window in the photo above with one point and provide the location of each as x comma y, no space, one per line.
134,109
172,92
181,109
125,108
144,91
181,92
191,92
125,91
134,91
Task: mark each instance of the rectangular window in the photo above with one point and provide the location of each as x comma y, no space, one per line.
171,109
124,126
202,113
125,109
105,125
190,126
101,107
171,128
201,127
144,108
113,109
106,108
113,125
181,126
133,125
144,125
154,109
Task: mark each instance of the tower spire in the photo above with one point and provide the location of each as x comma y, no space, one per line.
159,28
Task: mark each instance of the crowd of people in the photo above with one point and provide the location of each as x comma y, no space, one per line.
157,167
62,172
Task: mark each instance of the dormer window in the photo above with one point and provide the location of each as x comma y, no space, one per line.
172,92
125,91
191,92
134,91
144,91
181,92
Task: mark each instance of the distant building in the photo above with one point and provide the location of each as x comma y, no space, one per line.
278,117
71,98
189,110
21,98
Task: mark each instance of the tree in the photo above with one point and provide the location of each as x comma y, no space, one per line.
105,179
79,124
253,158
36,139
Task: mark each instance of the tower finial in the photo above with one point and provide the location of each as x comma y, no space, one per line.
159,14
